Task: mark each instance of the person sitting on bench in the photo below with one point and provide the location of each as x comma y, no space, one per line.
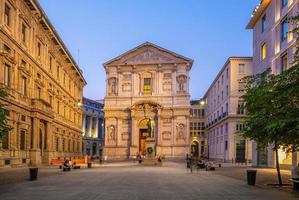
75,166
295,172
66,165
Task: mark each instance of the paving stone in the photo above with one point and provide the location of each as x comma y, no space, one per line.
170,182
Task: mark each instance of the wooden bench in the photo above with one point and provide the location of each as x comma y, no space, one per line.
295,184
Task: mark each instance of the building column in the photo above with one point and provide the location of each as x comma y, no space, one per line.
49,143
90,127
134,137
84,125
96,130
35,156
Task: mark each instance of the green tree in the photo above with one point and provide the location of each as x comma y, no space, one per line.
4,127
272,104
261,104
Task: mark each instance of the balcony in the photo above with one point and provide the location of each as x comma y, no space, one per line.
41,105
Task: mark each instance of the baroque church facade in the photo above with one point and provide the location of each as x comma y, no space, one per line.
147,85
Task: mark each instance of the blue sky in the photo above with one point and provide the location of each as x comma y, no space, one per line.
206,31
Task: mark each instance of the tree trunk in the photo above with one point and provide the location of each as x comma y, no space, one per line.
278,168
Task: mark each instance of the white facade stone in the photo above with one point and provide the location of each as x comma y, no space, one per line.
223,113
147,82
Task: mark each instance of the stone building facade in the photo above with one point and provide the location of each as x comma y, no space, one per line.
198,136
273,47
93,128
44,85
147,83
225,115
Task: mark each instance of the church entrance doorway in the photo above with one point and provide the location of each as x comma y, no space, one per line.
195,149
142,138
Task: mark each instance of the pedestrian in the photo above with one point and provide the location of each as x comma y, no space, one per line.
295,172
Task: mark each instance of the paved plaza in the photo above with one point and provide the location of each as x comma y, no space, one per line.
170,182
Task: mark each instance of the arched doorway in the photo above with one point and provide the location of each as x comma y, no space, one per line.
143,135
195,148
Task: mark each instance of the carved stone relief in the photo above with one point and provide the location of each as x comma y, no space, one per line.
167,85
148,56
167,122
126,83
166,135
181,129
125,136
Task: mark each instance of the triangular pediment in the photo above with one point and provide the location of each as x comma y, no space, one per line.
148,53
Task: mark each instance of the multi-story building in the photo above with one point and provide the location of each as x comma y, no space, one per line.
225,115
273,47
93,128
198,139
44,85
147,85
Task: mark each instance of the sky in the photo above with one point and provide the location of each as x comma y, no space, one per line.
206,31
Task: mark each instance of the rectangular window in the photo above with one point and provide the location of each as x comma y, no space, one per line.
147,86
222,79
227,74
284,62
63,145
284,3
23,33
38,93
6,49
240,109
64,78
39,49
264,51
227,91
7,20
241,86
50,63
57,144
22,140
284,30
241,68
24,86
51,100
5,141
58,105
6,75
57,72
264,23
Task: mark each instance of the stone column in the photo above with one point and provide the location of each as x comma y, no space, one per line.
49,143
84,125
35,156
134,137
96,121
90,126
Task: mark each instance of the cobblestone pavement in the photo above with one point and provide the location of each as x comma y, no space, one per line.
16,175
171,182
264,175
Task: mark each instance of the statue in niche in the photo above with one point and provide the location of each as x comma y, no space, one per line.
181,80
151,128
112,84
181,86
111,132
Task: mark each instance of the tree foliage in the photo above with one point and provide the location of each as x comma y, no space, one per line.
272,105
4,127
